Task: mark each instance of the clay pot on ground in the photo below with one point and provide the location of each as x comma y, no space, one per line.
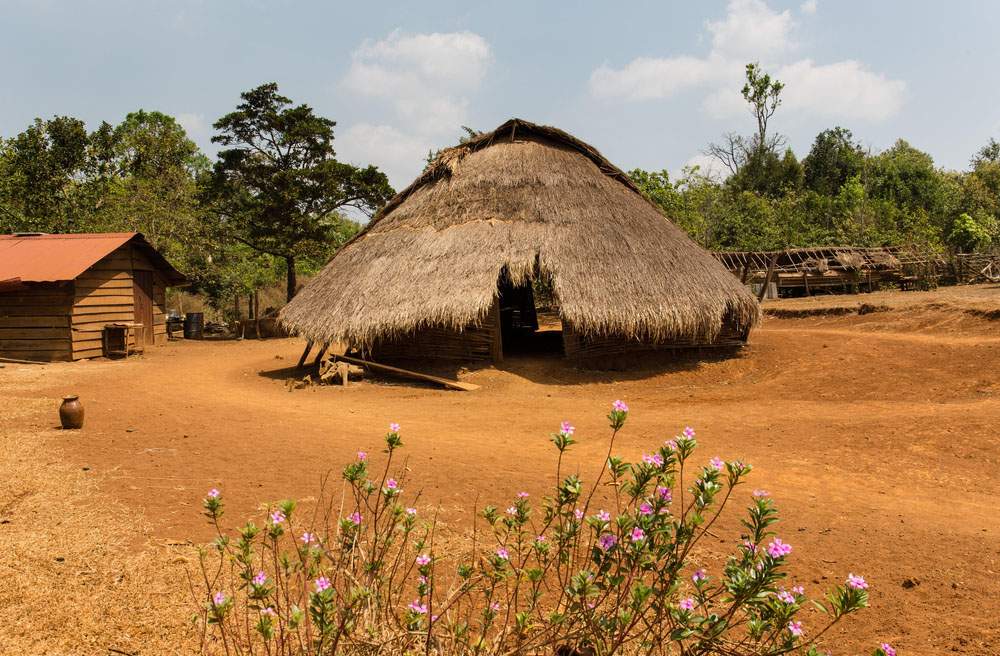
71,412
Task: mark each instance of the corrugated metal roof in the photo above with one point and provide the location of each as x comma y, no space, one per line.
58,258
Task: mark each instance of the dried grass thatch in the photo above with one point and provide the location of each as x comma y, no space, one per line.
531,199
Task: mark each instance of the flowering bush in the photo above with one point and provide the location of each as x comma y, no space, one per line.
362,573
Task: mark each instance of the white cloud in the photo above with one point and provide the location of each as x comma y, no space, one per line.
426,80
195,125
397,154
842,89
708,166
425,77
646,78
808,7
751,30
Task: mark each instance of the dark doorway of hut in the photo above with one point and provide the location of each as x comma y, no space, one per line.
529,320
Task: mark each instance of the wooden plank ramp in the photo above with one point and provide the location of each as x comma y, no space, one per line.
406,373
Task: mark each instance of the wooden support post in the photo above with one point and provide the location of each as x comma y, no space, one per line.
322,352
305,354
767,278
805,281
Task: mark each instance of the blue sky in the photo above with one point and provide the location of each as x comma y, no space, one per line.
647,83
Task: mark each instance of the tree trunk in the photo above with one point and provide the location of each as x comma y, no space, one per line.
290,264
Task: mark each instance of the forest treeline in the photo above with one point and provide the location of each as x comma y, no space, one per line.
275,201
838,194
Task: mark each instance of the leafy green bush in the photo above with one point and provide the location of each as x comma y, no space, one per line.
362,573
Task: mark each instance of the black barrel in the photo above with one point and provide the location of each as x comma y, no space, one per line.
194,325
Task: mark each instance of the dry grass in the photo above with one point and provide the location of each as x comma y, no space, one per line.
79,573
531,200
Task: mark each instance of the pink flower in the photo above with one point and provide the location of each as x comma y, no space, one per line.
393,427
495,607
502,554
689,432
653,459
219,598
267,610
761,494
322,583
856,582
699,576
796,628
887,649
354,518
392,484
750,546
717,463
798,589
260,578
778,549
523,495
411,511
645,509
417,607
619,406
423,559
308,538
578,514
422,580
603,515
686,604
786,597
665,494
671,444
566,428
638,534
277,517
540,539
512,510
214,493
607,541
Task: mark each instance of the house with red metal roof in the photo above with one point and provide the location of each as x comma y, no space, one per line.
73,296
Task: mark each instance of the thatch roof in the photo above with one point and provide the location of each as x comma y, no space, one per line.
526,198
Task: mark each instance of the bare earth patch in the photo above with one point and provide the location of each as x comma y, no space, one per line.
876,434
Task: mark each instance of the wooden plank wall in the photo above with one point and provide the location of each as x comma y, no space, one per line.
34,322
141,263
103,295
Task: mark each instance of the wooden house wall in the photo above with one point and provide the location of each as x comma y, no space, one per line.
104,294
34,322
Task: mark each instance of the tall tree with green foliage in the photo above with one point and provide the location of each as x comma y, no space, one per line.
833,159
41,168
277,186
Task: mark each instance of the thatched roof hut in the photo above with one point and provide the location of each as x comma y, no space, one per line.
522,201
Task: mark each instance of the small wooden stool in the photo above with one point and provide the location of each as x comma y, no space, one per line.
115,339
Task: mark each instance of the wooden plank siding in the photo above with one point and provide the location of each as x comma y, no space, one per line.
34,322
104,294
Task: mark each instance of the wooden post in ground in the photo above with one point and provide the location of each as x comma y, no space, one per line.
767,278
305,354
322,352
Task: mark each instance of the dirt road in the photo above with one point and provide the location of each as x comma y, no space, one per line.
877,435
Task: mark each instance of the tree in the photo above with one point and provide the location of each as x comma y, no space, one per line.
988,154
764,95
736,152
833,159
277,186
41,168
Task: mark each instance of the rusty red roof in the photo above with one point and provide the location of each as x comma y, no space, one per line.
56,258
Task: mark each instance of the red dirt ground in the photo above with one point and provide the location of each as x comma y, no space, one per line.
876,434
